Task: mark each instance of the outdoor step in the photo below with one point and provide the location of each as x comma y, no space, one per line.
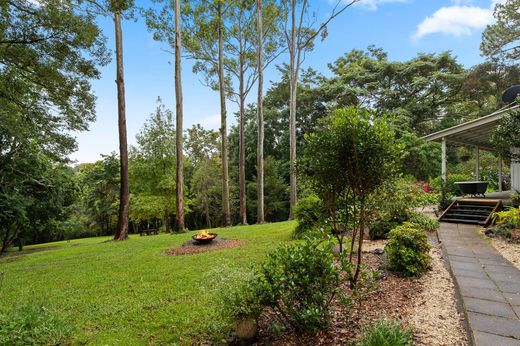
466,216
473,222
479,212
474,206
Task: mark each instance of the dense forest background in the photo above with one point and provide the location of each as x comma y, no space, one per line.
45,94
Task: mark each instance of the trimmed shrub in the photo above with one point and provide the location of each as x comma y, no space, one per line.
33,325
387,333
427,223
308,212
299,281
407,250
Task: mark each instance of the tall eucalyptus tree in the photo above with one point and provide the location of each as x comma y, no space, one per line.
204,41
260,112
224,40
116,9
165,24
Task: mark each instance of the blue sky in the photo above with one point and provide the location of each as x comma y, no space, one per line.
403,28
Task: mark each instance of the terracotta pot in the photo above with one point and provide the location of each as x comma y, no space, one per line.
246,329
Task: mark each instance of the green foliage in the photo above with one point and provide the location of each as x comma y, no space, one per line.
507,136
48,54
452,190
99,194
426,222
407,250
308,212
35,195
299,281
500,40
515,198
421,158
276,192
152,166
243,301
33,325
393,203
386,333
509,218
368,78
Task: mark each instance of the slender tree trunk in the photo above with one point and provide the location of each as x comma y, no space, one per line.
223,124
293,80
122,223
260,145
178,108
360,242
242,149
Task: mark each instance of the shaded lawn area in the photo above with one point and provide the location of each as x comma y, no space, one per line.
131,292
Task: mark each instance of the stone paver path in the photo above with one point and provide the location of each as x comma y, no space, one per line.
488,283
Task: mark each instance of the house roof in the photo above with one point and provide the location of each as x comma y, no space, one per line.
476,133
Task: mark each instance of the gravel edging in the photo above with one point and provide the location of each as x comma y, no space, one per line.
509,251
435,316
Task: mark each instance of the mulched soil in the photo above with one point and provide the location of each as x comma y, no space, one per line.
426,304
192,247
392,297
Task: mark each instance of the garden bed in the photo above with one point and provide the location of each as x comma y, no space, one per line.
434,321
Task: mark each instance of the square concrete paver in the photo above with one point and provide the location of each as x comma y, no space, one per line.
489,307
486,339
474,266
465,281
495,325
482,293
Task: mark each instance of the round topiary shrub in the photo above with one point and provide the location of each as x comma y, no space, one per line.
408,250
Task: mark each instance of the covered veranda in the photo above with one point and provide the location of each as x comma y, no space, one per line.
477,134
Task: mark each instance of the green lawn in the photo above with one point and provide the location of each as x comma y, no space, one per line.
131,293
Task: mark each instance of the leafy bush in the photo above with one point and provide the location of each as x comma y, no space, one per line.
407,250
243,299
394,201
307,212
379,229
386,333
299,281
33,325
452,190
427,223
509,218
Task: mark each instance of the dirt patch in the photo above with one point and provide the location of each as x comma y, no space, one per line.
192,247
426,304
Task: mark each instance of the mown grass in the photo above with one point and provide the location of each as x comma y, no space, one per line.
131,293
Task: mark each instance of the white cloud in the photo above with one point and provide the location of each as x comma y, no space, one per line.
455,20
374,4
